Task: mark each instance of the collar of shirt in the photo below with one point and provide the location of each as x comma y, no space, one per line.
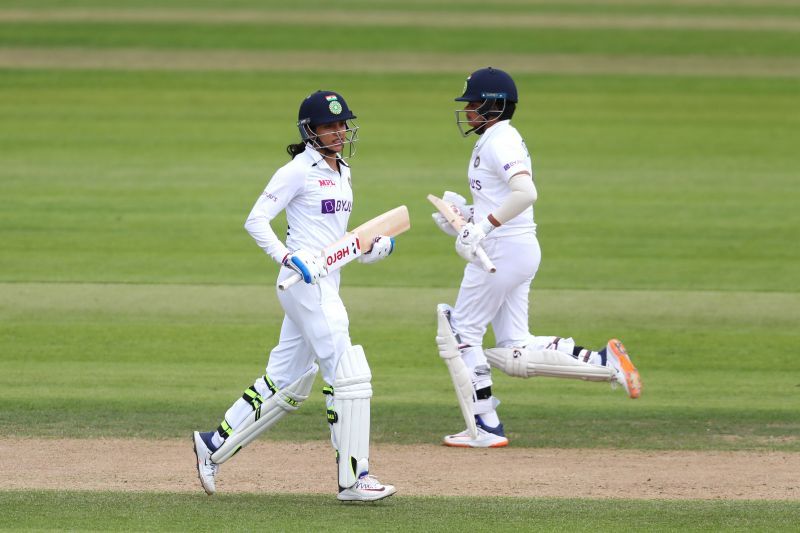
315,158
491,131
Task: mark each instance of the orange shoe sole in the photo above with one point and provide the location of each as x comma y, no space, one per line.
632,378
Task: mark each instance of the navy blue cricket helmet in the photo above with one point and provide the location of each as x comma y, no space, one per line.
497,94
326,107
322,107
489,84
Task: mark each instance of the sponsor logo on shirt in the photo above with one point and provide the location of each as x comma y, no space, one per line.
331,206
511,164
327,183
269,196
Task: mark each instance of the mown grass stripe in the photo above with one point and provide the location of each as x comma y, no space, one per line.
394,62
437,19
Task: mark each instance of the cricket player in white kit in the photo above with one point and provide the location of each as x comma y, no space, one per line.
501,222
315,190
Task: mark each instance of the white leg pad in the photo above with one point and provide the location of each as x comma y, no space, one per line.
273,409
459,373
350,402
525,363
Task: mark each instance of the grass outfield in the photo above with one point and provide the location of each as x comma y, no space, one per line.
156,360
35,510
133,303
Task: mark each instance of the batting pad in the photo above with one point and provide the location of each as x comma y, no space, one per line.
461,376
267,414
352,391
525,363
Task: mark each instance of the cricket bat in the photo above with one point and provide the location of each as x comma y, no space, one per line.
358,241
456,220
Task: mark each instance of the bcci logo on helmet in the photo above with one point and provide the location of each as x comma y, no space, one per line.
335,107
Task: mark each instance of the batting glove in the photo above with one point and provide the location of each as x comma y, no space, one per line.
470,238
382,247
306,265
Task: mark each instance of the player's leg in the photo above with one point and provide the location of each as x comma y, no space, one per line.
520,354
539,357
480,298
345,369
348,402
279,391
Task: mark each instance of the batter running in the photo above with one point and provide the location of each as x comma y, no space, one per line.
501,222
315,190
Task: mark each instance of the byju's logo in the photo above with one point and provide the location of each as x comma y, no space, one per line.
331,206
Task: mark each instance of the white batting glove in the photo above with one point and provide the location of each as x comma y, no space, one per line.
305,264
460,203
382,247
456,199
470,238
467,210
444,225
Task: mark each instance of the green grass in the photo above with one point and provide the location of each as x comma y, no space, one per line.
677,176
109,511
158,360
740,8
773,43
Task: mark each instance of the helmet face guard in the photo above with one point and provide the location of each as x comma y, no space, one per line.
327,107
348,136
486,112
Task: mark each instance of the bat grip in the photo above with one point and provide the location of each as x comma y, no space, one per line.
486,263
288,282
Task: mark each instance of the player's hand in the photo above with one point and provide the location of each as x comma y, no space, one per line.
460,203
305,264
382,247
444,225
470,238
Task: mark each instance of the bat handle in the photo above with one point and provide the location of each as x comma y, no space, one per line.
486,263
288,282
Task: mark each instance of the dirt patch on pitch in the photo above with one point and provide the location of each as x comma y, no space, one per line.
307,467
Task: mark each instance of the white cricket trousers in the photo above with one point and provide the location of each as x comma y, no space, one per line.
315,327
500,299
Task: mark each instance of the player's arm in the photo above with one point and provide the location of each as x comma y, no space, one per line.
280,190
283,186
523,195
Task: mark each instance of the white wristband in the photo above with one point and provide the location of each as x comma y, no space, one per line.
486,226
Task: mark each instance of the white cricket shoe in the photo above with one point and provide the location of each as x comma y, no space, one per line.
487,438
627,375
366,489
206,468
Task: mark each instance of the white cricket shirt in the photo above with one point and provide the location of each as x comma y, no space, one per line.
498,155
318,202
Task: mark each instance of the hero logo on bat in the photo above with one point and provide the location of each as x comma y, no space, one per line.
342,253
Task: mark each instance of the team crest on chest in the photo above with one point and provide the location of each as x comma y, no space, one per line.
477,161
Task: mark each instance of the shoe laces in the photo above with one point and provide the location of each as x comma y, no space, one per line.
214,467
369,481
